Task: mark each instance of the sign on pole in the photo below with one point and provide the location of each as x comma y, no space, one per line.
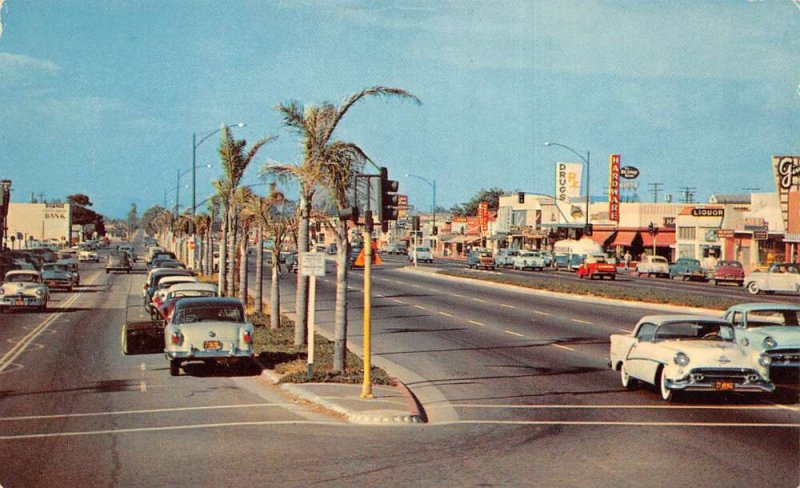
312,264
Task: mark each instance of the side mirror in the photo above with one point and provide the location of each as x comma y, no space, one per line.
142,338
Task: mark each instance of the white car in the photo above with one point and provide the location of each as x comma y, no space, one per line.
529,260
772,328
653,266
422,253
778,277
688,353
208,330
23,289
87,255
505,258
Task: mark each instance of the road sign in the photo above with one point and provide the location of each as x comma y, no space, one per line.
312,264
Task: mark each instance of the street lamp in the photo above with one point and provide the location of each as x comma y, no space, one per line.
195,145
193,169
432,184
585,160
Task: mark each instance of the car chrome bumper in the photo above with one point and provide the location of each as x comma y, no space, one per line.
26,302
759,385
201,355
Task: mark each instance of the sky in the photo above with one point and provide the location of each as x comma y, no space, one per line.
102,97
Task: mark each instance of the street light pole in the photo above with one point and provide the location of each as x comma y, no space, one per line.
195,145
585,160
432,184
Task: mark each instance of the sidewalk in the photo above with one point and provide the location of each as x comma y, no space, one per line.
389,405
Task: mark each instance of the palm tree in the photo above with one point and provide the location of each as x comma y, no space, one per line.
332,164
234,163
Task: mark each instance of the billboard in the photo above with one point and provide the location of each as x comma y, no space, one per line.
613,187
787,180
568,180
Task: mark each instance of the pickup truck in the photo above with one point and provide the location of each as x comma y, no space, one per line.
480,259
596,265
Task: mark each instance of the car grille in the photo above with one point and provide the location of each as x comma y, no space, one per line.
723,374
785,357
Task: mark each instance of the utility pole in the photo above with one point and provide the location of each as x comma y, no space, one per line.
688,194
655,189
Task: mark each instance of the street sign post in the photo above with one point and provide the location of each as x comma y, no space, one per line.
312,265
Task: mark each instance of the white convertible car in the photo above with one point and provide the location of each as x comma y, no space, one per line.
210,330
688,353
772,328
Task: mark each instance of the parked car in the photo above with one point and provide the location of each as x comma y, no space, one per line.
778,277
180,291
162,290
291,262
23,289
154,277
728,272
87,255
505,258
397,249
687,269
331,249
596,265
561,261
549,258
128,249
771,328
57,276
118,261
688,353
422,253
165,263
528,260
652,266
209,330
480,258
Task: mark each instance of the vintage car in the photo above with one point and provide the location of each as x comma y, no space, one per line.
127,248
153,278
528,260
687,269
728,272
505,258
688,353
652,266
57,276
208,330
392,249
180,291
162,288
597,265
480,258
422,254
778,277
549,258
23,289
772,328
87,255
118,261
72,266
291,263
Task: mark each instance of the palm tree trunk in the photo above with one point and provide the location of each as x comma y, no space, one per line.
232,241
340,315
243,268
275,291
301,298
223,255
259,298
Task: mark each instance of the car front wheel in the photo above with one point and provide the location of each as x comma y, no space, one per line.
753,288
666,394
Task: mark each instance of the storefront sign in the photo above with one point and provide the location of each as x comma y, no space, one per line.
483,215
613,187
786,170
760,235
669,222
629,172
568,180
708,212
724,233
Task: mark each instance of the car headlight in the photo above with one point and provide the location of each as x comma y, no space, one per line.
745,342
2,291
39,292
769,342
764,360
681,359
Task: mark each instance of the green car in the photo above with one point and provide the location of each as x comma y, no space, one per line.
687,269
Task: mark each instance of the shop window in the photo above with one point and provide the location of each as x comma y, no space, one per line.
687,233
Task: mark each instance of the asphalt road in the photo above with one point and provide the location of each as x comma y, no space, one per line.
515,387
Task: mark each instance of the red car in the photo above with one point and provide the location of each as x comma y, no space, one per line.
596,265
728,272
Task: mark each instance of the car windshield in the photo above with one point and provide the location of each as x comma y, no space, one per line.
191,293
735,264
423,249
22,278
224,313
690,330
771,318
55,267
658,260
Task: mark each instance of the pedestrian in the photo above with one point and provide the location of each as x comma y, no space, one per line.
627,258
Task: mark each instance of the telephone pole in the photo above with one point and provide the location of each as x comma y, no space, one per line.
688,194
655,189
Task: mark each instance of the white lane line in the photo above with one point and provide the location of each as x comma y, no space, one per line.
380,295
166,429
400,301
143,367
456,295
143,387
542,313
507,305
141,412
491,406
563,347
477,323
581,322
445,314
478,300
622,423
513,333
420,307
625,330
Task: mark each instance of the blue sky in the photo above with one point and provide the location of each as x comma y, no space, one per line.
102,97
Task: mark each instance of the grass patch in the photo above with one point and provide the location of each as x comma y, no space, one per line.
607,290
275,349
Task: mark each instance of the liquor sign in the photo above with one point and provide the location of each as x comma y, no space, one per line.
613,187
786,170
708,212
568,180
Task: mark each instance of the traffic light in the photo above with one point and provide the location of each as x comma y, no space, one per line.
415,223
652,229
589,229
349,213
521,196
389,198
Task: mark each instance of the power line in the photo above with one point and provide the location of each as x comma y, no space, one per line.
655,188
688,194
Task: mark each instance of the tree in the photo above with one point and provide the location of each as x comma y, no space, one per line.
470,208
333,164
82,215
235,161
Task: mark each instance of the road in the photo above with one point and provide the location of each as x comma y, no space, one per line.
515,387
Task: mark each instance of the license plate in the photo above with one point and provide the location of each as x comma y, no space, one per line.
724,386
52,283
20,301
212,345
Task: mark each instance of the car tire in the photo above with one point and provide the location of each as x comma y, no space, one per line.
714,282
666,394
174,367
753,288
627,382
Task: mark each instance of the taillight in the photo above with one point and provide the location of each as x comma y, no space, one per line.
144,287
247,338
176,338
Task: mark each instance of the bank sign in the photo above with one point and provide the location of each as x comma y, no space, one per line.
786,170
568,180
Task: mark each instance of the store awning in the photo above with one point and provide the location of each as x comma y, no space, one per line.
624,238
461,239
663,239
500,236
602,236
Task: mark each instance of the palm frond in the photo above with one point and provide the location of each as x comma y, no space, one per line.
348,102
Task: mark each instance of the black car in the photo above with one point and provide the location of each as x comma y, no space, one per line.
118,261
